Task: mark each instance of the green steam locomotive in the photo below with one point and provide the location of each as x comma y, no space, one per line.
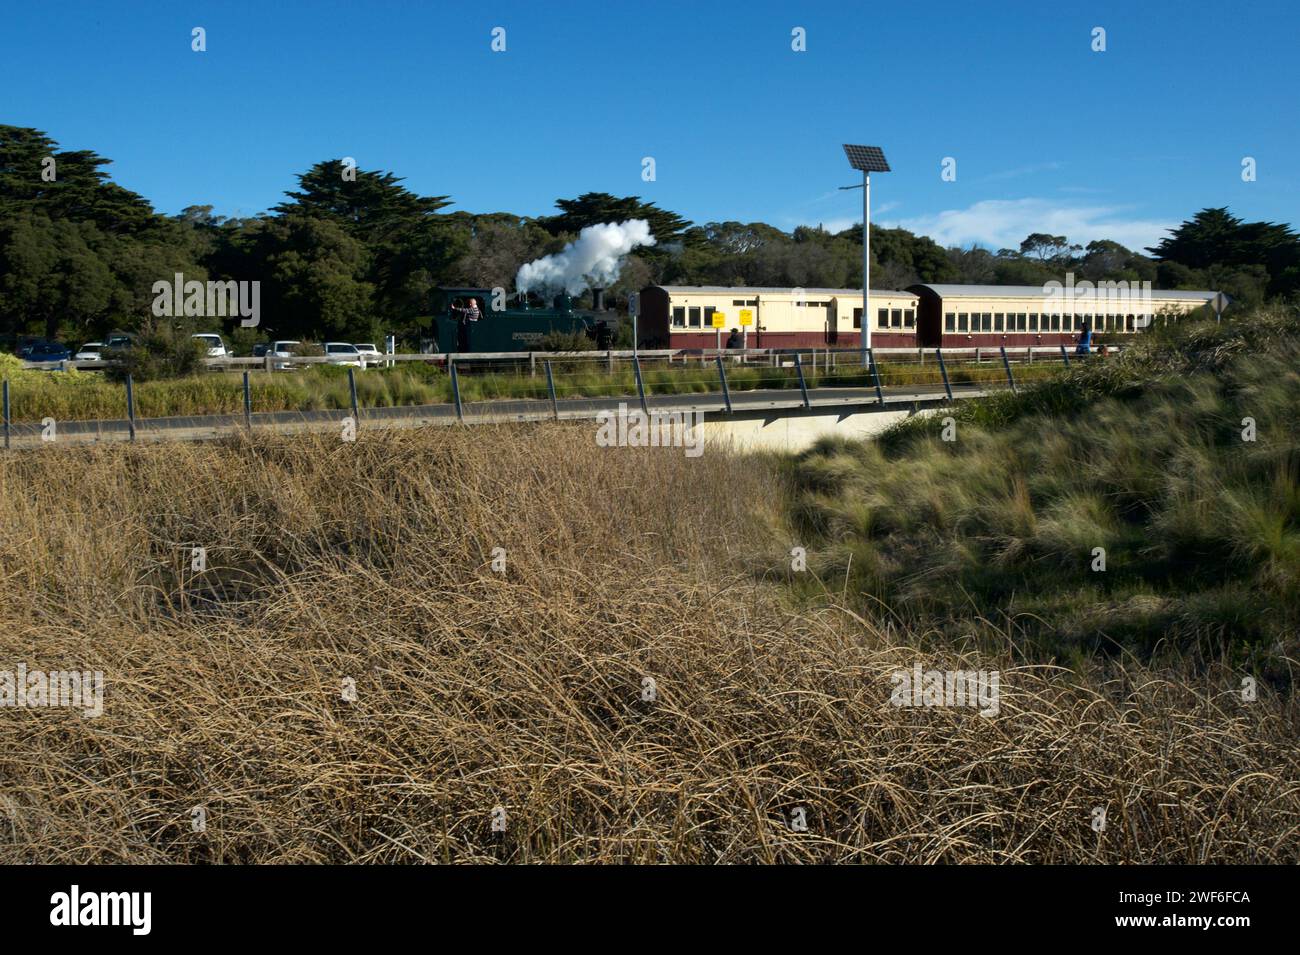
465,321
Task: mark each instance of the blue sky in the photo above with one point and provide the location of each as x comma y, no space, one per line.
1047,134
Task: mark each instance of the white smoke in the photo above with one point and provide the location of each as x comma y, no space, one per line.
595,257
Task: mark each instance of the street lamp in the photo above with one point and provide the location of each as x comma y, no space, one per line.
868,159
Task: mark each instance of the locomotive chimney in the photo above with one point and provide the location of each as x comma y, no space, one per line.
598,300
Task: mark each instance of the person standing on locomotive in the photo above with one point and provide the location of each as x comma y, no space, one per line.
465,312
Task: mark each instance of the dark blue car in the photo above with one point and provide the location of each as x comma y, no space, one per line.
47,351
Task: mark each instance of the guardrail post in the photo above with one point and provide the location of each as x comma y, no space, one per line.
803,385
352,394
248,404
6,409
943,370
610,361
722,376
1065,357
550,386
130,407
455,389
270,362
875,375
1007,365
532,364
640,385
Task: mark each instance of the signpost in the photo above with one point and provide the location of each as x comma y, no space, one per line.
1220,302
746,319
719,320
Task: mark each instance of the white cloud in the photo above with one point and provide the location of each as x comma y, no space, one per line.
1004,223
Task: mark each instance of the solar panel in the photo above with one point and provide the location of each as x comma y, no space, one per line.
866,158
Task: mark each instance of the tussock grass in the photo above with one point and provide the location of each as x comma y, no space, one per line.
476,689
1141,456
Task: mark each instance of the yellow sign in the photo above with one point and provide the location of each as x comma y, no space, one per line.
746,316
719,320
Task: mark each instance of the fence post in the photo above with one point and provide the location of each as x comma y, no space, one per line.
640,385
270,362
352,394
610,361
722,376
803,385
248,404
6,403
1065,357
943,370
130,407
532,364
455,389
875,375
550,386
1007,365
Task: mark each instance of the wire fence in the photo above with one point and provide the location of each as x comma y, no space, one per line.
528,384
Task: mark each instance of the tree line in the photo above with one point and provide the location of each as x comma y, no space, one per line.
353,254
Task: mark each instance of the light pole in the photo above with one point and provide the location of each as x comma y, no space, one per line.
867,159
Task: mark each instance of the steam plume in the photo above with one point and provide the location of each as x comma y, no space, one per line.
595,257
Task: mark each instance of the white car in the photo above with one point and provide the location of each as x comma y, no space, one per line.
216,347
89,352
371,355
282,350
342,353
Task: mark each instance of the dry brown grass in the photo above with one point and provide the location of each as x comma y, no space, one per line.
523,690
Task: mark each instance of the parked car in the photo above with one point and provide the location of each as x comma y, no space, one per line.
342,353
216,347
91,351
115,342
48,351
260,349
371,355
283,350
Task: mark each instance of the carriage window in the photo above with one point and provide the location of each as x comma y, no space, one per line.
988,321
1129,323
694,312
679,315
997,321
909,318
961,322
708,315
857,318
896,318
950,321
882,318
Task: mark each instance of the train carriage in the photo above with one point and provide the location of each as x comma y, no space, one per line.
681,316
957,316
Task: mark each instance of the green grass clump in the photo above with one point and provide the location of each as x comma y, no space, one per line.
1143,457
